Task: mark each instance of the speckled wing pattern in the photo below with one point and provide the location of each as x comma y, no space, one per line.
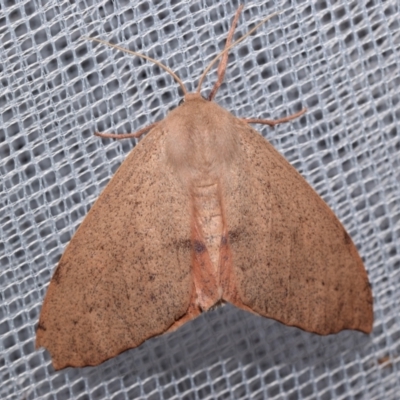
126,274
292,260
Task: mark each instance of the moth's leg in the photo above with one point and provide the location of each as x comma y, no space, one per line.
136,134
273,122
224,59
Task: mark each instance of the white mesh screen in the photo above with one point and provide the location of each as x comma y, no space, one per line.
340,59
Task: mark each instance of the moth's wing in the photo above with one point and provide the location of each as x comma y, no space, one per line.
292,260
126,275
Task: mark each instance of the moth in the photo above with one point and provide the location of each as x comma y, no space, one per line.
203,211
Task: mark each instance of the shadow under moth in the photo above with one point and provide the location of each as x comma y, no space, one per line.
203,211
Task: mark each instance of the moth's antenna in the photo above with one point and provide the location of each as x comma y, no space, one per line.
165,68
228,48
224,59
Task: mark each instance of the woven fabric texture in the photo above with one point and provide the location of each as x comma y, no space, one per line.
340,59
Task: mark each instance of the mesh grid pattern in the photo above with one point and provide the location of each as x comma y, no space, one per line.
340,59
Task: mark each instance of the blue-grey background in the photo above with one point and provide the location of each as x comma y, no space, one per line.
340,59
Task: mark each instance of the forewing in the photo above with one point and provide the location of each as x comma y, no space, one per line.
292,260
125,275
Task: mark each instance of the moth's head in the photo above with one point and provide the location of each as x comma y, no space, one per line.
194,110
192,97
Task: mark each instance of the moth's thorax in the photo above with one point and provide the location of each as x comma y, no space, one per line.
200,140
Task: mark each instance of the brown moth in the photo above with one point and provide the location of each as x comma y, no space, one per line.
203,210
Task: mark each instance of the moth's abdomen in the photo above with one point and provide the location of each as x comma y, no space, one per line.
207,233
208,214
